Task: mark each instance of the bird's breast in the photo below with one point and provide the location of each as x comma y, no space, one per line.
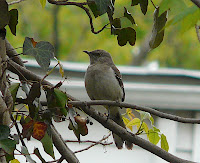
101,84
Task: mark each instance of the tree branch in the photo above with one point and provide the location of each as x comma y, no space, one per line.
81,5
95,143
14,2
62,147
12,54
124,134
132,106
108,123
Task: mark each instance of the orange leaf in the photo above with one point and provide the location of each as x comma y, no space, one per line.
39,130
27,129
33,42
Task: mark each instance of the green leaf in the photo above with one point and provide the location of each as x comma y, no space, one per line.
34,92
8,145
13,20
156,129
11,158
157,34
48,145
152,120
37,153
4,18
14,89
116,25
144,6
42,51
61,99
126,35
43,3
128,15
164,143
25,152
4,132
172,6
135,2
93,8
100,7
187,18
153,136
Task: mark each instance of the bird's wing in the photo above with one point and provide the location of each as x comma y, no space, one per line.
119,79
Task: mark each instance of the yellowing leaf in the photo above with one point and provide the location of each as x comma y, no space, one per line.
153,136
145,127
126,121
152,120
134,122
43,3
164,143
14,161
156,129
61,70
130,113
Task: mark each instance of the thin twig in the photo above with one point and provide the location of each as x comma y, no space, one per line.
197,27
87,141
14,2
196,2
132,106
96,143
81,5
153,4
18,131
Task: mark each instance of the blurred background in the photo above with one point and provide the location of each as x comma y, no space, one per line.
68,29
167,78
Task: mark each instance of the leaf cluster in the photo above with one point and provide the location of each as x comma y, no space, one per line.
154,135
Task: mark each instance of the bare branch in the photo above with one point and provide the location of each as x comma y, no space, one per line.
96,143
132,106
62,147
88,141
196,2
81,5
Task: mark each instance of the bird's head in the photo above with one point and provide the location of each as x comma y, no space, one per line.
99,56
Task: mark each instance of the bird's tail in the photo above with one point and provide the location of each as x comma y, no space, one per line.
115,115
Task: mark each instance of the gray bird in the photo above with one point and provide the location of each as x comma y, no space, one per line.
103,81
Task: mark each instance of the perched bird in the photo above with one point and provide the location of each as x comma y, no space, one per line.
103,81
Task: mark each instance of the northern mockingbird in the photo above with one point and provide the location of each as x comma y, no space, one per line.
103,81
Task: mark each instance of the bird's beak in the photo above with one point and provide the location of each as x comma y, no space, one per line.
87,52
